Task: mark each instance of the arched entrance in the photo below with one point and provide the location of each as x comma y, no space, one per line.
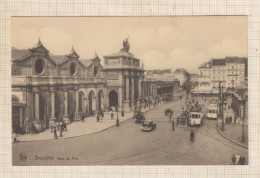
57,107
113,99
43,110
100,99
17,116
91,101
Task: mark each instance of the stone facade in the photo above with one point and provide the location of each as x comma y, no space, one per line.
48,88
124,76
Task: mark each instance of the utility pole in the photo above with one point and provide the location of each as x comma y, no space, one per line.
221,103
243,120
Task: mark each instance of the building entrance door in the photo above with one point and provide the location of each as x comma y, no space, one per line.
113,99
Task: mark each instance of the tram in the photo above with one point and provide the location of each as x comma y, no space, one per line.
212,111
196,115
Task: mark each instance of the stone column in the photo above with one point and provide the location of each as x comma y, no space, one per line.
76,114
66,115
126,106
36,121
36,105
133,93
120,99
52,90
139,100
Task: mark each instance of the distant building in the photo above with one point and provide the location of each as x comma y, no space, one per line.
230,71
182,75
194,80
163,75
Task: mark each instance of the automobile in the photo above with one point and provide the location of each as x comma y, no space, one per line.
139,117
168,111
148,125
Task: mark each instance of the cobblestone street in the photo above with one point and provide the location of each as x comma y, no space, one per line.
128,145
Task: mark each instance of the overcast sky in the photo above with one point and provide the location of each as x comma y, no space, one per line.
160,42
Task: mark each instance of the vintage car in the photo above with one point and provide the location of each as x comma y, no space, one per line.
139,117
148,126
168,112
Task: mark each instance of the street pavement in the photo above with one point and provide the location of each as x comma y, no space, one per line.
128,145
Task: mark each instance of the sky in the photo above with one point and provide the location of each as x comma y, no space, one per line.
160,42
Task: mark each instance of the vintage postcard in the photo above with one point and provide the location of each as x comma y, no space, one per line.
129,90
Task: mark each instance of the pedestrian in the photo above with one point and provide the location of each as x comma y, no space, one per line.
61,125
122,113
117,122
237,156
64,126
170,116
191,136
82,118
55,132
61,132
173,125
112,116
97,118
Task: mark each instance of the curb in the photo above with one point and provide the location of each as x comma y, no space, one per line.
229,138
83,134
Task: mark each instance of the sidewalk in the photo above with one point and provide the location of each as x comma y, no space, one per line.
234,132
79,128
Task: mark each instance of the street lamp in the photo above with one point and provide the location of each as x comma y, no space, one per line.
243,120
116,111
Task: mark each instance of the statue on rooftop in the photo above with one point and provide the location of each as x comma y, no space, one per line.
126,45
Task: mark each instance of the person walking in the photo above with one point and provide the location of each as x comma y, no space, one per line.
55,132
82,118
237,156
191,136
173,125
112,116
61,132
64,126
97,118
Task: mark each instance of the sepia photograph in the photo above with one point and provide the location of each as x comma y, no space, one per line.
169,90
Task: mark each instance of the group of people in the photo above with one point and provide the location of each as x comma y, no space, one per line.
237,159
192,134
61,127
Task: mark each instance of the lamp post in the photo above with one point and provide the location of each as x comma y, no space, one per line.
243,120
116,111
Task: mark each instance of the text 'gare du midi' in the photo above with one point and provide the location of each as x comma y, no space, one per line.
48,88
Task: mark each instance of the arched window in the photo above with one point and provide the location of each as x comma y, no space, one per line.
39,66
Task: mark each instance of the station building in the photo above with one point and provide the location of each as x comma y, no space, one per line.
47,88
